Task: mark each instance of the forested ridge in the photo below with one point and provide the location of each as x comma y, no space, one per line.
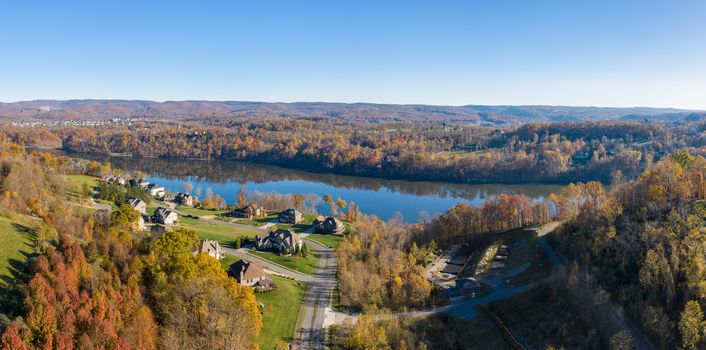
638,247
537,152
644,245
636,256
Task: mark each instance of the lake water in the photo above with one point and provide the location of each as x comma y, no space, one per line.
380,197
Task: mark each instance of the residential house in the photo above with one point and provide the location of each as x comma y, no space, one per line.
137,204
281,240
169,197
251,274
155,190
165,216
289,216
329,225
185,199
142,183
210,247
250,211
118,179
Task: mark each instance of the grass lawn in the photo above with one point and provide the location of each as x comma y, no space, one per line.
74,184
199,212
281,311
224,234
297,263
330,241
257,221
16,242
152,207
16,246
228,260
303,226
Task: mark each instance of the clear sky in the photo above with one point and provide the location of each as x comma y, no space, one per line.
604,53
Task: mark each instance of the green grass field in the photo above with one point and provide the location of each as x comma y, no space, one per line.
257,221
330,241
296,263
74,184
199,212
16,246
281,310
228,260
224,234
16,242
303,226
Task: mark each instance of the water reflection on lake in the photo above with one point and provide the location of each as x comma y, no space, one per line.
381,197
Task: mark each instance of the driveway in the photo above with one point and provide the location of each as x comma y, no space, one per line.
278,269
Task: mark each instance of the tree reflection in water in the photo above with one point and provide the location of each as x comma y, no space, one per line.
382,197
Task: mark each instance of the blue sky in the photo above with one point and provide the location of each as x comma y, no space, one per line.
604,53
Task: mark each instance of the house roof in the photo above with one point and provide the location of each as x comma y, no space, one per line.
250,207
265,283
163,212
334,221
250,270
207,245
134,202
280,236
289,212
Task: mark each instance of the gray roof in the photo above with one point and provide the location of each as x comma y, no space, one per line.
134,202
162,212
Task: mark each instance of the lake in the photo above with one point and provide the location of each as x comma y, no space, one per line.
381,197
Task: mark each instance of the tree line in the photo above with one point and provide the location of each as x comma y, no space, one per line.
536,152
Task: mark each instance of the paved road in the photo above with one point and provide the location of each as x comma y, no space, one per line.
221,222
310,332
465,308
243,254
555,258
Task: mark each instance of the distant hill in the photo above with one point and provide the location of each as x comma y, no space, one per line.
470,114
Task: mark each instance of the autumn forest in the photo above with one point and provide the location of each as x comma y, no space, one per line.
630,235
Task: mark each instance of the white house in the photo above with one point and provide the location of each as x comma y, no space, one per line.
210,247
165,216
137,204
155,190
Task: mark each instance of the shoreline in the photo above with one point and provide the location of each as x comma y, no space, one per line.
324,172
